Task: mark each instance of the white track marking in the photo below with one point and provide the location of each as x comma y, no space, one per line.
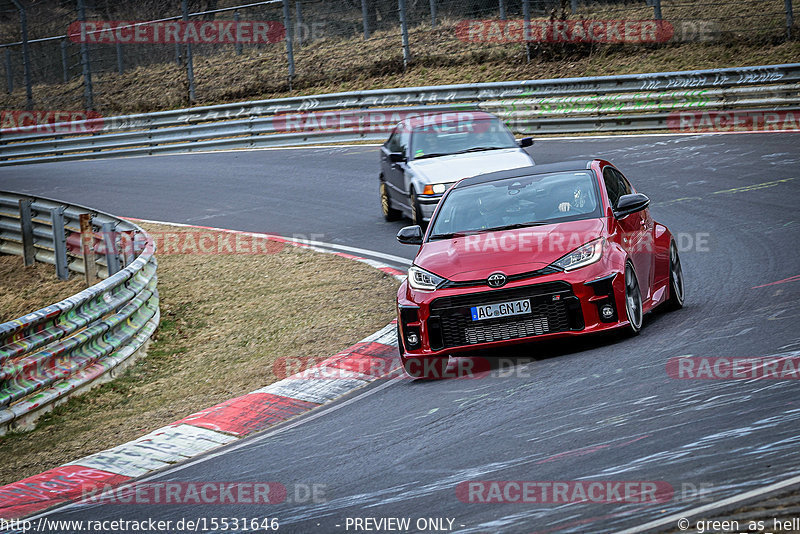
673,519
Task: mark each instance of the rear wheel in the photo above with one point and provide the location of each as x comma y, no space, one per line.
389,213
676,289
416,210
633,301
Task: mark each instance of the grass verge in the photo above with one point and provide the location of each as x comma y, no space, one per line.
23,290
226,319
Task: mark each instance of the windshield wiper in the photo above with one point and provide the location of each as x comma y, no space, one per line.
434,155
515,226
451,235
481,149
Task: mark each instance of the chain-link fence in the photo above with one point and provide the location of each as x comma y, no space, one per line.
89,54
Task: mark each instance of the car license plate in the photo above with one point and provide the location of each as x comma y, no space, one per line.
503,309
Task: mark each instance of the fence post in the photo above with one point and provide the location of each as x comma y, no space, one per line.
26,61
574,6
433,13
64,65
404,29
189,65
526,27
502,5
178,59
110,248
120,64
238,45
59,242
789,18
298,22
85,66
9,73
26,229
87,249
287,22
657,9
365,18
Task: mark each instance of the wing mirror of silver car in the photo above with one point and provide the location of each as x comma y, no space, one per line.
525,142
410,235
632,203
397,157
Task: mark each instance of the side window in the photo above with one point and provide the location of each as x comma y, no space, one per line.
393,144
612,186
405,137
616,185
624,184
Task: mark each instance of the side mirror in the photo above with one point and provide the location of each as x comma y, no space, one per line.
410,235
628,204
525,142
397,157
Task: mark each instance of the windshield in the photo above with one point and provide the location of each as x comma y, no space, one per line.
460,136
517,202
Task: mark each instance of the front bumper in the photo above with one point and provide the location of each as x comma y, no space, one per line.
562,304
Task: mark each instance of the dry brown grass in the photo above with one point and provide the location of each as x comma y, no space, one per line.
225,320
23,290
337,64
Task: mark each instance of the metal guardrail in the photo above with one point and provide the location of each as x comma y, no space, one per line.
570,105
64,348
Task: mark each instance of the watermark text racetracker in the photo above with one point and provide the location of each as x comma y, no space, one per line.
737,368
563,492
183,32
49,122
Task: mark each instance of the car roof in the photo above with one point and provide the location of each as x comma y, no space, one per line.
562,166
444,117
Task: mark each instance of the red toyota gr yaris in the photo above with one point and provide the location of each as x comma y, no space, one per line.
536,252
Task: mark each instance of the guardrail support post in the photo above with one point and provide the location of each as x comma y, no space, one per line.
526,27
64,65
502,6
189,62
433,13
404,28
238,45
110,247
87,249
26,60
657,9
59,242
26,229
574,6
365,18
287,23
789,18
86,67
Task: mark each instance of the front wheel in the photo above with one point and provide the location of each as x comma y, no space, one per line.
633,301
389,213
416,210
676,289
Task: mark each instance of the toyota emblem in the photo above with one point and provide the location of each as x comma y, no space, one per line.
496,280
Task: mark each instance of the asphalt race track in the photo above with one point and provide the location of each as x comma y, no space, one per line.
595,409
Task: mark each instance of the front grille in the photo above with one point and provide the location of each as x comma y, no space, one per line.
451,324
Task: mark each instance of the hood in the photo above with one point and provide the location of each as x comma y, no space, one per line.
452,168
475,257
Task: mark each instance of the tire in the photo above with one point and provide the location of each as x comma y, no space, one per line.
633,301
432,368
677,291
416,210
389,213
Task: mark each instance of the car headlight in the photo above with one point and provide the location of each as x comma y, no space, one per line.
581,256
422,279
434,189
